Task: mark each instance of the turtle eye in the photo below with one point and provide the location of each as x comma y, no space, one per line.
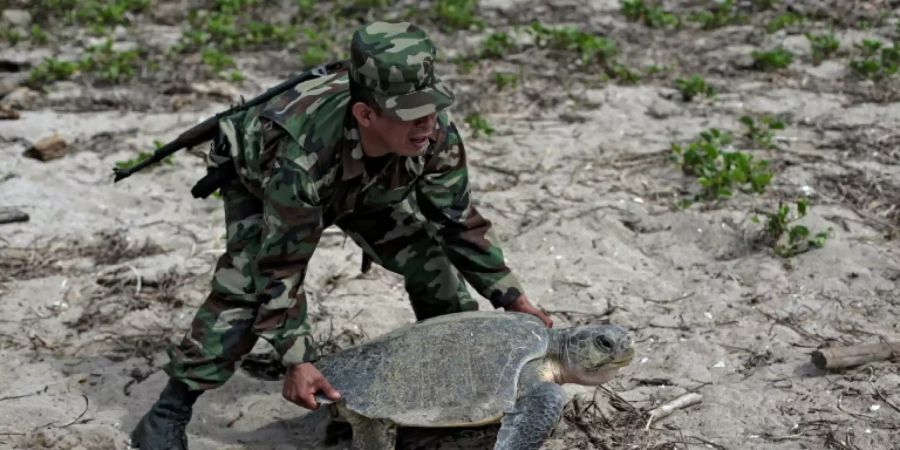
603,342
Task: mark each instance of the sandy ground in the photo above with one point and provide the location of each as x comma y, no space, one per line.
578,181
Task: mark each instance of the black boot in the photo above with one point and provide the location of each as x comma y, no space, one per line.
162,428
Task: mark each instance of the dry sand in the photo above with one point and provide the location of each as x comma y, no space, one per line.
578,183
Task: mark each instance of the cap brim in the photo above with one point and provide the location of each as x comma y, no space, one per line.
425,101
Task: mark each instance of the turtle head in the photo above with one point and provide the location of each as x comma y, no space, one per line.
592,354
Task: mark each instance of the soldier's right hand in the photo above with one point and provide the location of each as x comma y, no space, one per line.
302,382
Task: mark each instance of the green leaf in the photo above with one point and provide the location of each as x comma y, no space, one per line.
798,232
783,212
802,206
819,240
760,180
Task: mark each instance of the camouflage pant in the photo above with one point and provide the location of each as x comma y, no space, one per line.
222,330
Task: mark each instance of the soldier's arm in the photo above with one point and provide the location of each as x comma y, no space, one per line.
443,196
292,228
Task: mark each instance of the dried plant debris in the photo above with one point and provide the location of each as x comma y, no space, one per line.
621,428
758,359
48,258
126,346
27,263
162,288
123,291
865,143
114,247
331,343
876,199
841,440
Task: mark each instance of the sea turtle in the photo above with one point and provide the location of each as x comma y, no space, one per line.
470,369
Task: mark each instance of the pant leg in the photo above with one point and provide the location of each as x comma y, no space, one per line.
222,329
401,241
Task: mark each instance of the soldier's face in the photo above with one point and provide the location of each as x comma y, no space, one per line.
404,137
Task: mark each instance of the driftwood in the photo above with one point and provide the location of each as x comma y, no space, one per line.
680,402
7,113
840,357
50,147
10,215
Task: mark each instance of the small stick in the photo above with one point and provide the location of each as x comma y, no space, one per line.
680,402
10,215
854,355
87,405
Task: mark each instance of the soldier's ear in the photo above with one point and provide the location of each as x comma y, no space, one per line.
362,113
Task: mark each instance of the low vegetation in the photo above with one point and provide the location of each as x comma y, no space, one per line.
721,14
143,156
776,59
823,46
101,61
651,15
785,20
875,60
785,235
479,125
761,131
694,86
719,170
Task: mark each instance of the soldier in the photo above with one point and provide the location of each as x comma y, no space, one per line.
370,150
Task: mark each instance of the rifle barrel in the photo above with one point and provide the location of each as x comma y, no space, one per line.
124,172
195,135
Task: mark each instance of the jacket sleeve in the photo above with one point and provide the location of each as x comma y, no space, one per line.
443,196
291,232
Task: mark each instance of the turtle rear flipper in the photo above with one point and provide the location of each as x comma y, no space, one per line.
535,416
369,433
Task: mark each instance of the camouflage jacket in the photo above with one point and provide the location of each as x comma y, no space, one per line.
301,154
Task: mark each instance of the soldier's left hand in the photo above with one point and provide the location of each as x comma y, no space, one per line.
522,305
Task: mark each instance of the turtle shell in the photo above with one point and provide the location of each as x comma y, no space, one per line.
454,370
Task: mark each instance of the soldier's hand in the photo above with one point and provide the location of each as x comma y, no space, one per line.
302,382
522,305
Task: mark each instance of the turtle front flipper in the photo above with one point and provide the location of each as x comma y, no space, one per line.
536,414
370,434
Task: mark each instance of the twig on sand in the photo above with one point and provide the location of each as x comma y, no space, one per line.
884,398
631,160
833,441
789,322
671,300
11,215
515,174
680,402
87,405
14,397
707,442
232,421
581,313
577,418
863,416
137,276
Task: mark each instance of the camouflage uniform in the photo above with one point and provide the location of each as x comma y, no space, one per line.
301,169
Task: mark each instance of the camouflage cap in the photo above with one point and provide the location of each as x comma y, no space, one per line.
395,62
